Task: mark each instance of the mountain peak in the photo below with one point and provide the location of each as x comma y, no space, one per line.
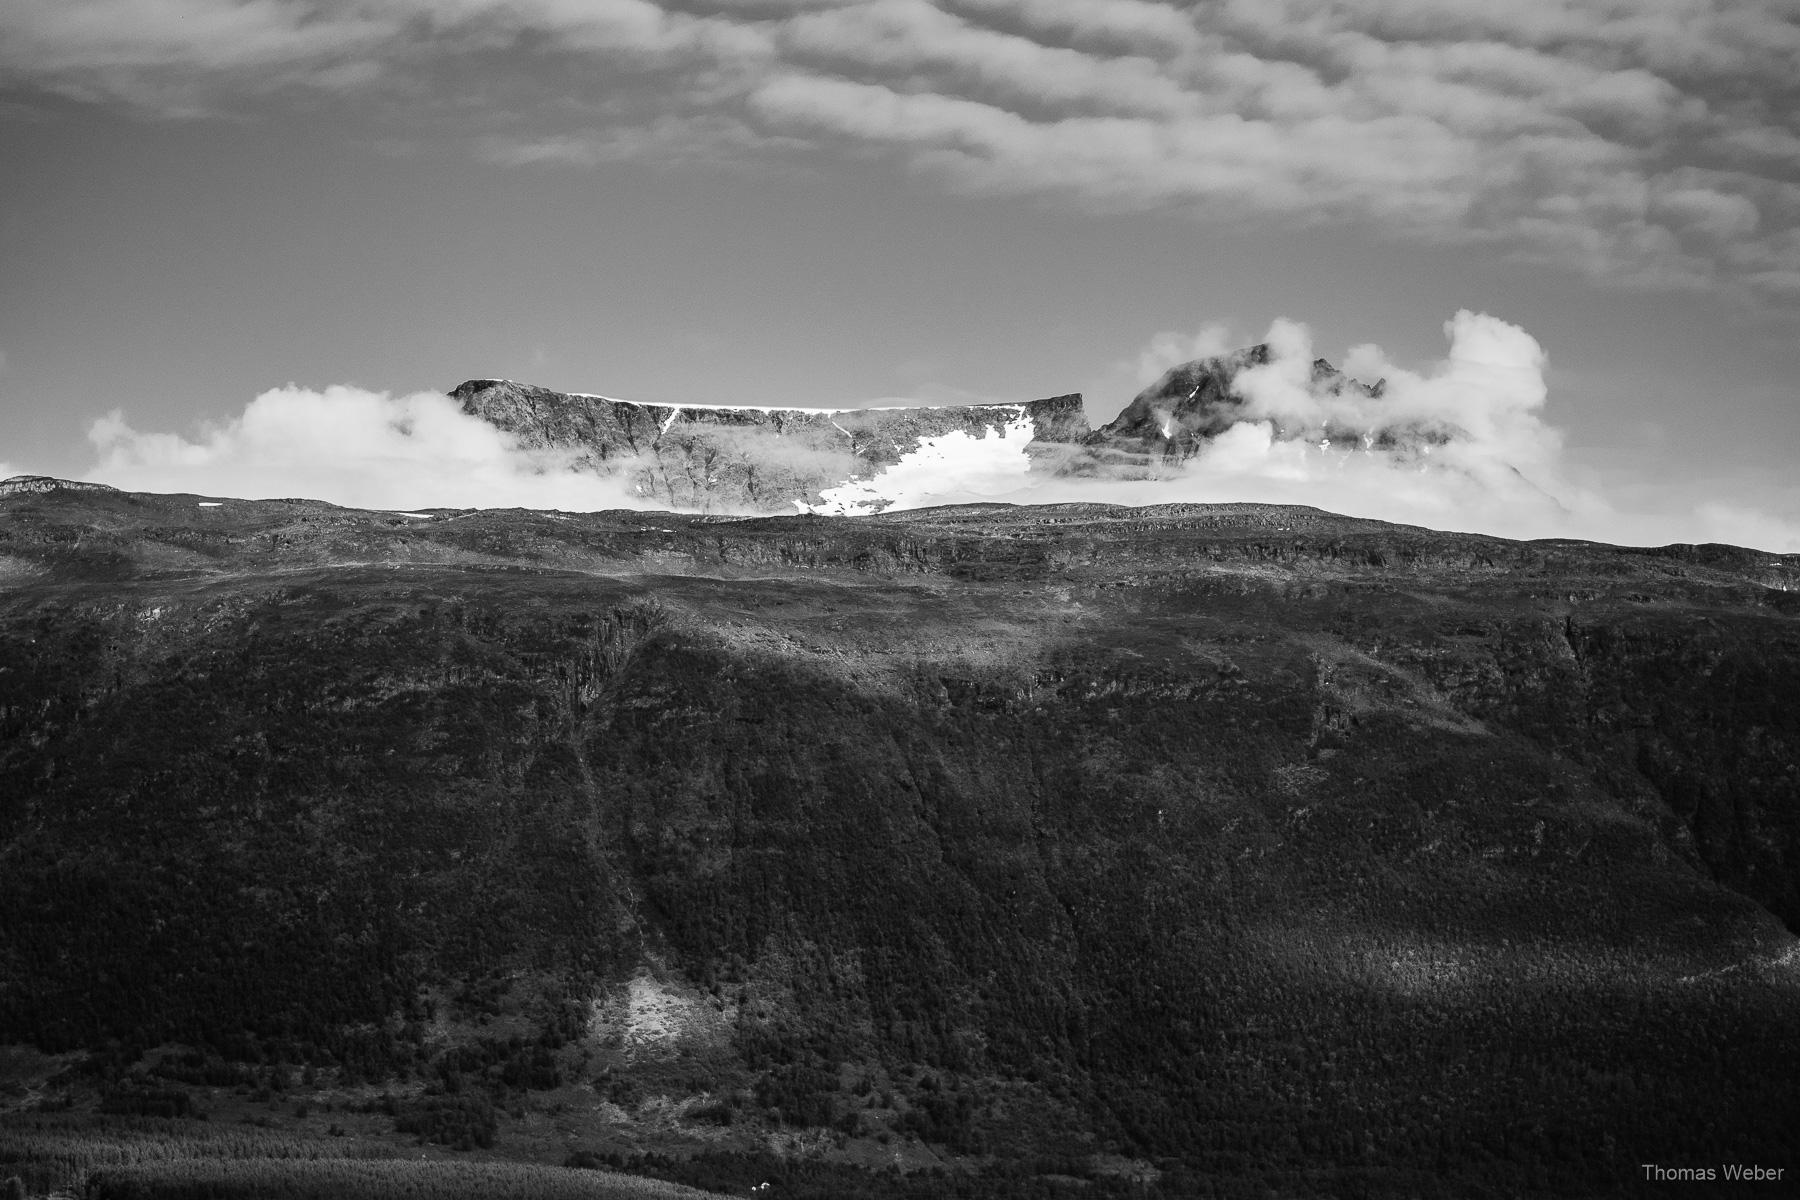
1196,401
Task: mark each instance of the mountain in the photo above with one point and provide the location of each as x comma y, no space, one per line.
1171,420
712,458
724,459
1224,850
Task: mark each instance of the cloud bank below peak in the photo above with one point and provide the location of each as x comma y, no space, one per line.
1651,144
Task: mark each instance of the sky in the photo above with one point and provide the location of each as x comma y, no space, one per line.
236,236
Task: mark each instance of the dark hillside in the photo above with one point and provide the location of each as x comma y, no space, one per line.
1230,847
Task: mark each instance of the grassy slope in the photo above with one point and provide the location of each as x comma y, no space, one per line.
118,1160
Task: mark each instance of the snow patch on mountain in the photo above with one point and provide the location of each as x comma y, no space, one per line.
944,469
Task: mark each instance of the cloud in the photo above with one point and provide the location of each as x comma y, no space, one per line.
1461,444
1741,525
351,447
97,36
183,57
1169,349
1479,408
1160,30
912,39
1653,143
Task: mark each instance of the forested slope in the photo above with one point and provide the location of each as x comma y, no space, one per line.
1251,846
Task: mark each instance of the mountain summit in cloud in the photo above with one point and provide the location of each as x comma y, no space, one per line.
1176,418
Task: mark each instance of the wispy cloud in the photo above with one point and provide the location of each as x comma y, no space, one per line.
1652,143
1171,349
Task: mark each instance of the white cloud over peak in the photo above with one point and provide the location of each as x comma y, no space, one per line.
1652,142
1465,444
1462,444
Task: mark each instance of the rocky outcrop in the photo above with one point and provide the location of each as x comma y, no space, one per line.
20,485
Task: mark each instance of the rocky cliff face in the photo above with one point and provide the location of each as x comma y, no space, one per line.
744,460
738,460
1253,847
20,485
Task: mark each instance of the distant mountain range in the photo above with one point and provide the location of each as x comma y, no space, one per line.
749,460
721,458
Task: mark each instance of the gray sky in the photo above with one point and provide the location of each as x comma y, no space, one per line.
817,202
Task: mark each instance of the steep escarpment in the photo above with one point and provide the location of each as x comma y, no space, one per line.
1224,846
736,460
750,460
21,485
